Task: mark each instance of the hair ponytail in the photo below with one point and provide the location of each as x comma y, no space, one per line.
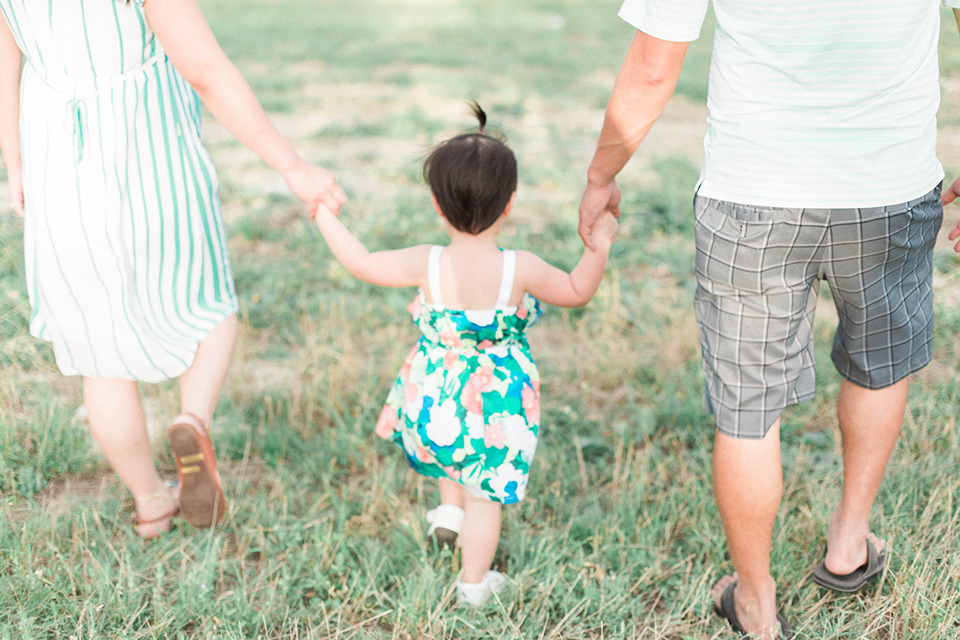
479,114
472,176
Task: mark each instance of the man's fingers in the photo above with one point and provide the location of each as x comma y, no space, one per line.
585,237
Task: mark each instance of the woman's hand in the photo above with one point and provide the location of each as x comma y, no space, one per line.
15,183
316,187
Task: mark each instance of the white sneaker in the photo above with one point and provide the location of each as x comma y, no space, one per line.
446,521
476,594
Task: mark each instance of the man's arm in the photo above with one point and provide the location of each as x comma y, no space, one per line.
646,81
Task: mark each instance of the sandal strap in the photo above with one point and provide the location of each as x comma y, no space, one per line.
446,516
165,516
163,493
193,416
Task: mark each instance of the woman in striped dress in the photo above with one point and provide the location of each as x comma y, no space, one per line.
126,258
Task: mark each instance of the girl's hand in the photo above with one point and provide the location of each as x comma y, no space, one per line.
316,187
15,183
605,230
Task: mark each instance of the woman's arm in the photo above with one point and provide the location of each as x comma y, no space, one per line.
396,268
194,51
559,288
10,62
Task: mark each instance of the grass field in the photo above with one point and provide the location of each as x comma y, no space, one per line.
619,538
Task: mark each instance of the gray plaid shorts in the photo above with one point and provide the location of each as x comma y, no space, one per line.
758,272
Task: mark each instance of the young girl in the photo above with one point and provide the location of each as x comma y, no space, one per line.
466,406
126,257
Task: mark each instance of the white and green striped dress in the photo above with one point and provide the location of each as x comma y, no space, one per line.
126,258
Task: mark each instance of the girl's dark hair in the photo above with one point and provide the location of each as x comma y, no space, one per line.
472,176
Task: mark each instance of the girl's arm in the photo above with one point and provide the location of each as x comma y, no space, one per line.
396,268
559,288
194,51
10,61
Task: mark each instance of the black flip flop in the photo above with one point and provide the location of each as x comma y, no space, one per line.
853,581
728,612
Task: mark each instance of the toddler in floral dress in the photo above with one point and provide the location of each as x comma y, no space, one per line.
465,408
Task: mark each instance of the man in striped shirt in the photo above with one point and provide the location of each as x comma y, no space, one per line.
820,165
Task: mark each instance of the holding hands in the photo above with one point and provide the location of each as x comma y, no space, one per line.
597,201
604,230
949,195
316,186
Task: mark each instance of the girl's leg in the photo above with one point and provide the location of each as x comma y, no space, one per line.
200,384
118,425
480,536
451,493
446,521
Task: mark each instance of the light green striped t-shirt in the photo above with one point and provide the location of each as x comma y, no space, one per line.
814,103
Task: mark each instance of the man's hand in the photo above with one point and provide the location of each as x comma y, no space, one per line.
596,200
949,195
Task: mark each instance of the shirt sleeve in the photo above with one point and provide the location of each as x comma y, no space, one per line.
951,4
672,20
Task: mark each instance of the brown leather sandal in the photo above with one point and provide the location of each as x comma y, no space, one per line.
202,502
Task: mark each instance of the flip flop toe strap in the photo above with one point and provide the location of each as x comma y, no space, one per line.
728,611
728,608
876,560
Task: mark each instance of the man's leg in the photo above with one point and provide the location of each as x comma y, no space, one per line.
748,483
870,421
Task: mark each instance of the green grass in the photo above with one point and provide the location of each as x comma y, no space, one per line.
619,537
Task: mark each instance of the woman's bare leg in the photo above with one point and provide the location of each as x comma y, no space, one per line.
200,384
117,423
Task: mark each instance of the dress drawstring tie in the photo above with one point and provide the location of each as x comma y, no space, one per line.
75,122
75,118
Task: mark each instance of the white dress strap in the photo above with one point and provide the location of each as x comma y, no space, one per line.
506,280
433,275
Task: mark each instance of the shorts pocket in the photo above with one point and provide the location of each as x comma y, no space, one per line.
737,222
747,249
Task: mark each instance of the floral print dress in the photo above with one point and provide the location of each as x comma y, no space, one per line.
466,405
